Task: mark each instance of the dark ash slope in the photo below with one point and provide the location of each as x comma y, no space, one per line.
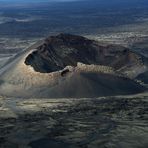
86,85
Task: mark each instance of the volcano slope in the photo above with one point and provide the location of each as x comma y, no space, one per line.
72,66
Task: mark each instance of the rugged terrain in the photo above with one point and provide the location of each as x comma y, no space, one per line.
110,122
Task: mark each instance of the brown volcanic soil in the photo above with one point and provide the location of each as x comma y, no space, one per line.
59,51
